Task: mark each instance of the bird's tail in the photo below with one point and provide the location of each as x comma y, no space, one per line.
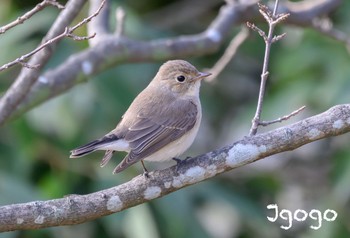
93,146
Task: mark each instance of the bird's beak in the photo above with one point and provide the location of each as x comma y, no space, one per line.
201,76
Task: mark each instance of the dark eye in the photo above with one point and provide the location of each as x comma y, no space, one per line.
180,78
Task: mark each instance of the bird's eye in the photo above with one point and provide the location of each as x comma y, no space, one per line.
180,78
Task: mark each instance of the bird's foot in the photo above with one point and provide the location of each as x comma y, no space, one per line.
145,171
179,162
145,174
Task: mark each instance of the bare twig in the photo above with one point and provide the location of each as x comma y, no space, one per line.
228,54
100,25
77,209
272,18
120,21
30,13
284,118
257,29
68,32
21,60
19,89
113,51
28,77
88,19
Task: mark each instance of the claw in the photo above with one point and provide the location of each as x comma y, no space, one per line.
180,161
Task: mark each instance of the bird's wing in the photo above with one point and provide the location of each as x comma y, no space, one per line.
150,133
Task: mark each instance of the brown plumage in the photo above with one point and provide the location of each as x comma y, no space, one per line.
161,122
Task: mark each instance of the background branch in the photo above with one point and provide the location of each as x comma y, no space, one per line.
100,25
29,14
116,50
28,77
77,209
229,53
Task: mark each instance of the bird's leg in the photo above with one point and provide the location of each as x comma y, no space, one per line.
180,161
145,171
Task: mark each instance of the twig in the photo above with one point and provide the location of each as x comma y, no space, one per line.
272,18
284,118
21,60
228,54
76,209
68,32
30,13
88,19
112,52
100,25
120,21
27,77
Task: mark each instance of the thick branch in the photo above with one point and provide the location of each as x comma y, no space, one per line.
77,209
27,77
116,50
303,13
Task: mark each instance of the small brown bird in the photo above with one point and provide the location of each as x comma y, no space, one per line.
160,124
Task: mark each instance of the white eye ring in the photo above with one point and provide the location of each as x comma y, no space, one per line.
180,78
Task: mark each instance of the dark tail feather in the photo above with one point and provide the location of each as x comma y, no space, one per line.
92,146
107,157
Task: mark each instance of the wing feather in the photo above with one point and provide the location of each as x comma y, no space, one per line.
150,133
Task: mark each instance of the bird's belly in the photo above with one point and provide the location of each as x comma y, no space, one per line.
174,148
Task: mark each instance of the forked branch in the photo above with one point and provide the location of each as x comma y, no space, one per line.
272,18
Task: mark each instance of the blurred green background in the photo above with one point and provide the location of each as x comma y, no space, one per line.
307,68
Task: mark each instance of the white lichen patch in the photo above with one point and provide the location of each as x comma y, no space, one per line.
314,133
214,35
211,170
39,220
43,80
152,192
167,184
20,220
114,204
195,172
243,152
86,66
338,124
192,175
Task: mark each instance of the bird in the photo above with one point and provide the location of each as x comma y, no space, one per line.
160,124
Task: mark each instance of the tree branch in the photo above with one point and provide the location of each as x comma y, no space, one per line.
272,18
284,118
29,14
120,22
229,53
100,24
28,77
77,209
116,50
303,13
